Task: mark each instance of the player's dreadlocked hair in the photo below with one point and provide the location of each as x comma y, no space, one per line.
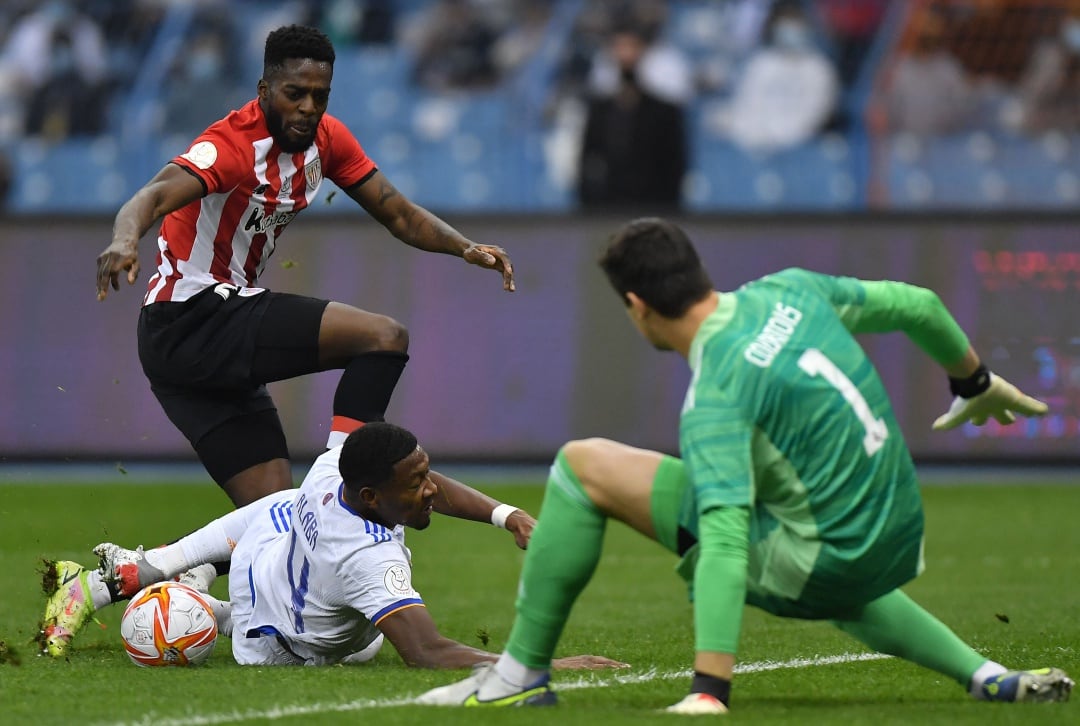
369,454
295,41
654,259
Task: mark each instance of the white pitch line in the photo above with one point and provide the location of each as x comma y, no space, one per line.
280,712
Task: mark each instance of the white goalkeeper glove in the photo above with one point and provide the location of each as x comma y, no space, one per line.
999,399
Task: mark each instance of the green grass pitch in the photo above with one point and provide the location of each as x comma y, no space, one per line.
1003,569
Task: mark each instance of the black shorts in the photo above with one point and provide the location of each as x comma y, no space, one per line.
208,358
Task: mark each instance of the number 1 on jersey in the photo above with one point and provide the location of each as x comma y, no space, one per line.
815,363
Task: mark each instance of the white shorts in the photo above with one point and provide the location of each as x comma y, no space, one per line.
268,649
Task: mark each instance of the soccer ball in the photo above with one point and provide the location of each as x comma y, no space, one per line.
168,624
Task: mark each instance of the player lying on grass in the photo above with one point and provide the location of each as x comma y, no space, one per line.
321,574
795,491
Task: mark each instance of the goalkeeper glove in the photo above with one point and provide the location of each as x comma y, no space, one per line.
984,395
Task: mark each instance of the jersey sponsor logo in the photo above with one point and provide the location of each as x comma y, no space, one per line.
261,222
313,173
396,580
774,336
203,154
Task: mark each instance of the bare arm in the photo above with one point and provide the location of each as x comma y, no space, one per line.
421,645
169,190
419,228
459,500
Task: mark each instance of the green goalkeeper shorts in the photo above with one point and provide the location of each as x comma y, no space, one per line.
786,574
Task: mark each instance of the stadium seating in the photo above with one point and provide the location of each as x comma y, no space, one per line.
485,151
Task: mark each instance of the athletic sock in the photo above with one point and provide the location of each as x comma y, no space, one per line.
100,596
212,543
989,669
897,625
517,673
364,391
562,555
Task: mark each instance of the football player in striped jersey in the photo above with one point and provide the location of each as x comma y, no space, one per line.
209,337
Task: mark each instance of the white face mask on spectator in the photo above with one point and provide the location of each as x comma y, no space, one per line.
791,34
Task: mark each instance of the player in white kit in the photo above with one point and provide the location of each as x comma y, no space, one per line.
320,574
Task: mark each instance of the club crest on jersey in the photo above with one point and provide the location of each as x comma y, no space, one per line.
313,173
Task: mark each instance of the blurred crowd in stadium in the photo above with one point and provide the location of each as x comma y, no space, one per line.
542,105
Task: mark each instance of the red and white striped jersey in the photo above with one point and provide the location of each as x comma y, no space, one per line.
253,190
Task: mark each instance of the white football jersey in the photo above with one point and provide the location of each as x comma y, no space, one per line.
317,573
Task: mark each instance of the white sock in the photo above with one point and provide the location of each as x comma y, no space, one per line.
212,543
989,669
99,591
516,673
336,438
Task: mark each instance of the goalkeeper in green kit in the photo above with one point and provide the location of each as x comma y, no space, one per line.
795,491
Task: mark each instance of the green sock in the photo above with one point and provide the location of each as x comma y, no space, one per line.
897,625
562,555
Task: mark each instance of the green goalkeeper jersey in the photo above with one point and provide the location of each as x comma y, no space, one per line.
803,494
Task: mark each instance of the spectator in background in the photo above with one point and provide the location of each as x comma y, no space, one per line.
663,70
929,93
726,34
1048,95
69,102
358,22
201,85
454,48
57,57
788,91
524,34
633,151
852,25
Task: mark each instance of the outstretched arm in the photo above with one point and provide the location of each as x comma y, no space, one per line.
883,306
419,228
421,645
169,190
459,500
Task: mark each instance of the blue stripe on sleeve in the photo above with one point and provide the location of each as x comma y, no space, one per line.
389,609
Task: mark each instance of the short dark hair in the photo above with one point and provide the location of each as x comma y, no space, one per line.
296,41
370,452
654,259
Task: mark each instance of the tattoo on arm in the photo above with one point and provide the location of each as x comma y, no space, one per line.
414,225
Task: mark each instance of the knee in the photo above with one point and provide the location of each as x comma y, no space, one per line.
391,336
588,459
